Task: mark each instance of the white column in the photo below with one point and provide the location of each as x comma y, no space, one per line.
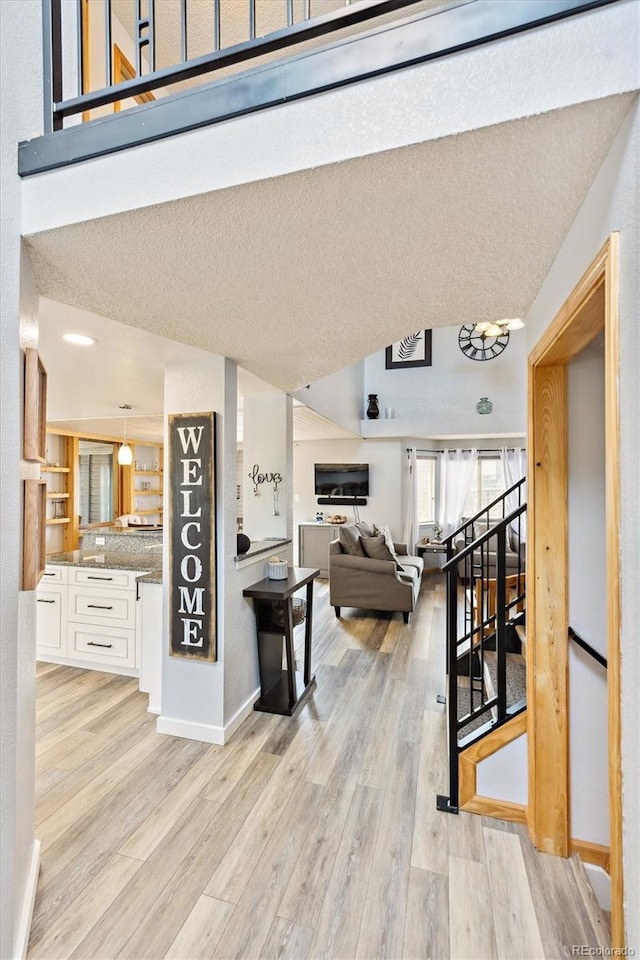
193,691
21,82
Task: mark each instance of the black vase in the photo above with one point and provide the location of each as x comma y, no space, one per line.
243,543
373,411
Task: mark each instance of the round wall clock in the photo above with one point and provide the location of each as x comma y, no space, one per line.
479,346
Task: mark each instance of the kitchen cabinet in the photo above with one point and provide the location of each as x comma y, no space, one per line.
51,613
313,544
88,617
62,521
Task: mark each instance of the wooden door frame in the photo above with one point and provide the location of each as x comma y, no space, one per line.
591,308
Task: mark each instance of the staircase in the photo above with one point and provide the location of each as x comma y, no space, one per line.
486,634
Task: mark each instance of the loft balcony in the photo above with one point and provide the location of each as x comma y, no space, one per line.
121,73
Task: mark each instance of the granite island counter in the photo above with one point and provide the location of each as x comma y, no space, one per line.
147,563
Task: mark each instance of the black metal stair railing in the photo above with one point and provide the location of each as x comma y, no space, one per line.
486,592
489,515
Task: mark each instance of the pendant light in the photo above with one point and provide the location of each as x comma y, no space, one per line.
125,453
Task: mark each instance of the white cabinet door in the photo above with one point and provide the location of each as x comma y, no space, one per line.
51,621
314,545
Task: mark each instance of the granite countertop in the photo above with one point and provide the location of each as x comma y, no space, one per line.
149,562
134,531
262,546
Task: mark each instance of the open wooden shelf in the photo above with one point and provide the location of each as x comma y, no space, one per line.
148,473
52,520
45,468
148,493
57,496
144,513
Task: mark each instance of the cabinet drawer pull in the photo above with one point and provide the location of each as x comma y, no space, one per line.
49,574
98,606
45,601
90,643
90,576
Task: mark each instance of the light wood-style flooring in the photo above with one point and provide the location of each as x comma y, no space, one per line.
304,838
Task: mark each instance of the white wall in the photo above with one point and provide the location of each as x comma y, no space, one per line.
265,445
588,750
440,400
503,775
385,476
612,205
338,397
21,43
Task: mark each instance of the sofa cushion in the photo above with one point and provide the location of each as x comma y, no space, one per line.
408,572
349,537
376,549
416,562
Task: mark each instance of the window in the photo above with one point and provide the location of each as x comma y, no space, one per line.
426,489
489,484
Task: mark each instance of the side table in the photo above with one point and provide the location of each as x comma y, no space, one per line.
282,690
432,548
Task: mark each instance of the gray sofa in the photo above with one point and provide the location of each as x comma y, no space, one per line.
366,583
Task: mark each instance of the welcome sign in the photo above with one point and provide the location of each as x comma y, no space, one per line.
192,533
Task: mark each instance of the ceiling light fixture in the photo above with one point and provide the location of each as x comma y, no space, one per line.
125,453
79,339
494,328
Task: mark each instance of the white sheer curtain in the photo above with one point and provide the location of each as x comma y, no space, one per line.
410,527
514,467
457,473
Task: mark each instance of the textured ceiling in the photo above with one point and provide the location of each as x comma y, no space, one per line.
299,276
86,385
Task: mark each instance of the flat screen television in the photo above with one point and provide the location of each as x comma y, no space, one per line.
342,479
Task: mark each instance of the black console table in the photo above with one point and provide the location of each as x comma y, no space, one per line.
282,690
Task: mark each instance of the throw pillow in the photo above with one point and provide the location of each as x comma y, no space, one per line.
366,529
350,541
388,539
376,549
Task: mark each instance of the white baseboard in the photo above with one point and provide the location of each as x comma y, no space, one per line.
173,727
601,883
207,733
26,913
240,715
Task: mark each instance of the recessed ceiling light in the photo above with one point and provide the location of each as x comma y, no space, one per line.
79,339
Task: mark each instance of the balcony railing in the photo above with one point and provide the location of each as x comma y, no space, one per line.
150,75
239,71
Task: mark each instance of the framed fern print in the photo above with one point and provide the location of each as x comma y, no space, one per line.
414,350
